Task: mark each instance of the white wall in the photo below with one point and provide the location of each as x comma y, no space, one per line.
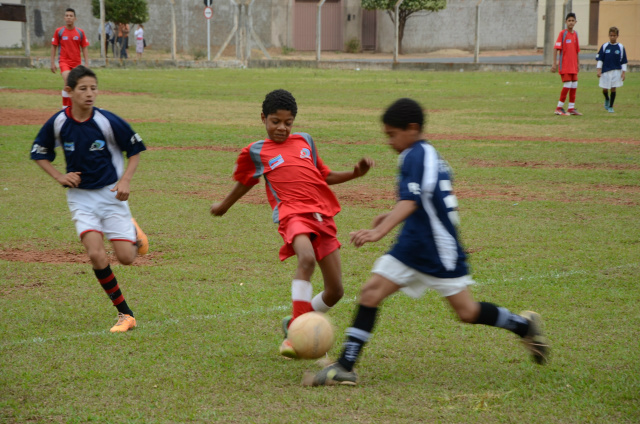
579,7
10,34
504,24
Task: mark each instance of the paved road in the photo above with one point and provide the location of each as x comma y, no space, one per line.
584,58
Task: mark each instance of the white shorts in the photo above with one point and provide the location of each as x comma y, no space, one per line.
611,79
414,283
99,210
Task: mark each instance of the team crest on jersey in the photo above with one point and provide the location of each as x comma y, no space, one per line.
617,51
569,41
65,37
38,149
97,145
275,162
305,153
135,139
69,146
75,37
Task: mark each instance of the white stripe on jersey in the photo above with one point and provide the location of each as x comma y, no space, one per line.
57,127
445,242
117,159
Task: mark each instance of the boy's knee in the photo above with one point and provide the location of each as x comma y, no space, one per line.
307,262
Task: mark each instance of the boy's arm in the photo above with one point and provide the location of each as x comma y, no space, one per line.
359,170
239,190
554,67
53,58
85,53
122,186
71,179
400,212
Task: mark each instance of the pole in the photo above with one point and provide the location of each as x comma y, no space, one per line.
27,46
477,50
396,42
208,39
233,31
549,20
319,29
173,29
103,38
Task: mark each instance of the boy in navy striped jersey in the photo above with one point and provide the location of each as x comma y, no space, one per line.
612,65
427,253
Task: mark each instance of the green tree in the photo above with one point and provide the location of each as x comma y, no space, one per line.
408,8
122,11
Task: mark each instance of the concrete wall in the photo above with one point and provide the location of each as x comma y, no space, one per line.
504,24
579,7
10,34
626,16
47,15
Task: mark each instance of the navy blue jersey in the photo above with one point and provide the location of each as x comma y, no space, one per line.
612,56
93,147
428,240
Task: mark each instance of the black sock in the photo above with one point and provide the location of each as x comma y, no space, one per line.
606,94
494,316
110,285
613,98
357,335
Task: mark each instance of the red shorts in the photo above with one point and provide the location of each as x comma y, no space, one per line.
67,66
322,232
569,77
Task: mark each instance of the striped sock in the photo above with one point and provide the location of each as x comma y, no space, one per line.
110,285
357,336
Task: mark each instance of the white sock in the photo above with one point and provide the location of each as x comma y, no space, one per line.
572,105
560,104
318,304
301,290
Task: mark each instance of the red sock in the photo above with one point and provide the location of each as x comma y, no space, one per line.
572,95
563,94
301,294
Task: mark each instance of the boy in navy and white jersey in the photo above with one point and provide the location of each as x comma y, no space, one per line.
93,141
612,65
427,252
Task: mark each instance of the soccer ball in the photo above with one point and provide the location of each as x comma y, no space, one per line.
311,335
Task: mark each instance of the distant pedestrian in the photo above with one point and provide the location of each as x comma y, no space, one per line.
123,40
139,34
568,46
612,65
71,40
109,39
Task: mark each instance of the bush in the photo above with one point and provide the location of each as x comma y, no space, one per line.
352,46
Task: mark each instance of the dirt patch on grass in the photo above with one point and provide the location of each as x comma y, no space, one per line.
66,257
454,137
57,92
480,163
10,116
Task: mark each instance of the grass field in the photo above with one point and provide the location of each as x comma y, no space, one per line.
549,210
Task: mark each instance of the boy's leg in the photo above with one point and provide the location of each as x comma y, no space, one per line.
572,98
371,295
331,268
486,313
607,103
125,251
94,246
613,96
563,96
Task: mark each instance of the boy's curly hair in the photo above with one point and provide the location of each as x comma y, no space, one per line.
279,100
402,113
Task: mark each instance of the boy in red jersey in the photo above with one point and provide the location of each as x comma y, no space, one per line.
568,47
297,185
71,40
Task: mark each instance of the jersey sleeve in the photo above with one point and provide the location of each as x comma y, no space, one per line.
600,54
558,45
245,171
410,181
55,40
85,40
324,169
43,147
128,140
624,55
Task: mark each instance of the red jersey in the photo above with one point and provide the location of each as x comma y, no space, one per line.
294,176
569,47
70,42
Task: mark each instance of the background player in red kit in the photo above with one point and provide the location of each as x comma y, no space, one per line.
71,41
568,47
297,184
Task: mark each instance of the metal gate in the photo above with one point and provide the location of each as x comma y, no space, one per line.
305,14
369,29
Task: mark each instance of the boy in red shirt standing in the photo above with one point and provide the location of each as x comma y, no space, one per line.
71,40
297,183
568,46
